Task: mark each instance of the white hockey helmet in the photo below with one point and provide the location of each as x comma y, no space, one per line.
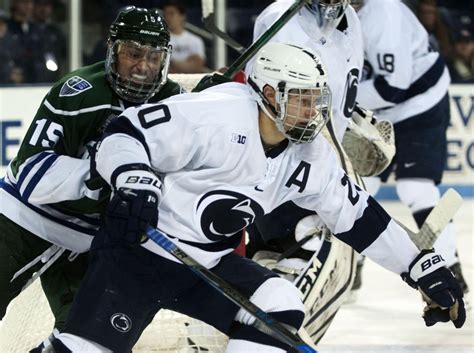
322,17
302,95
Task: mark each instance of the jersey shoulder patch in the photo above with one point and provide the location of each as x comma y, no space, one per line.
74,86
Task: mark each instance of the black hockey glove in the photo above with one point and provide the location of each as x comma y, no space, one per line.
134,206
211,80
438,286
217,78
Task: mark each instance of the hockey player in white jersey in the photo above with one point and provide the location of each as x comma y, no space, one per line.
203,166
407,84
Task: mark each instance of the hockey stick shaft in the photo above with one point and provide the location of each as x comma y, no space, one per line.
264,38
209,23
263,322
436,221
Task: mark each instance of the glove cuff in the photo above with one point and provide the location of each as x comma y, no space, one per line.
425,263
138,180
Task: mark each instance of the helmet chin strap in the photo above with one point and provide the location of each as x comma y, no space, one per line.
262,101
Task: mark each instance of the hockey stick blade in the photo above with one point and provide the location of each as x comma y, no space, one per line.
210,24
437,220
263,322
264,38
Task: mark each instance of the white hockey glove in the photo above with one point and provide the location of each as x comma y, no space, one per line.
370,144
438,286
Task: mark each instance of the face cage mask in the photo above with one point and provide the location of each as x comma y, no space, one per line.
322,18
297,127
132,90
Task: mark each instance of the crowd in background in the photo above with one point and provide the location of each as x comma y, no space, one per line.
33,34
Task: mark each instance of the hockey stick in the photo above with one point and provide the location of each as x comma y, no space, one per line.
263,321
240,62
210,24
436,221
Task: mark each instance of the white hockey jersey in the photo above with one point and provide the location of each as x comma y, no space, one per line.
342,54
404,76
217,179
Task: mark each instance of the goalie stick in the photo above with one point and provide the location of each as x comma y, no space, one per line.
263,321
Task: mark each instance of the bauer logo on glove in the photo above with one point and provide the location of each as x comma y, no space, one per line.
438,287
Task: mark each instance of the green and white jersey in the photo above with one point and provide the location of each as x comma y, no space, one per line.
48,189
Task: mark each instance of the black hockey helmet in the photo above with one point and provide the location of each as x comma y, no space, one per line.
138,35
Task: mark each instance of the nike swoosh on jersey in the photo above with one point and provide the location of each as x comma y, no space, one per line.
409,165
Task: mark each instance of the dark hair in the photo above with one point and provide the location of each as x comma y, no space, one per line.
176,3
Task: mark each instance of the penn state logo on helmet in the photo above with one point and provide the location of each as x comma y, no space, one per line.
121,322
223,213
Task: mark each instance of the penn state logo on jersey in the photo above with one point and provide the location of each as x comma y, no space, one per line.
121,322
224,213
352,83
74,86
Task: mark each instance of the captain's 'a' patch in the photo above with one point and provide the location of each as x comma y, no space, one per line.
74,86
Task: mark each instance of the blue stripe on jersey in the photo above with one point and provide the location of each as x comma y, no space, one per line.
367,228
122,125
14,192
29,166
425,82
38,175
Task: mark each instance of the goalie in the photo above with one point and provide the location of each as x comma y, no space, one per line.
293,240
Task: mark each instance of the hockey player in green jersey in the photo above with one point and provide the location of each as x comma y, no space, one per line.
50,200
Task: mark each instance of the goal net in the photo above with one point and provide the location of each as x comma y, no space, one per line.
29,320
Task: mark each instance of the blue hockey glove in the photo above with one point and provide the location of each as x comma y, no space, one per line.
440,290
134,206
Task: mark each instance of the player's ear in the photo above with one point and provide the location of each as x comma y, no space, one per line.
269,93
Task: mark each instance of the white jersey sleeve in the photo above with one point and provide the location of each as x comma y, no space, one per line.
48,177
154,135
354,217
402,70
